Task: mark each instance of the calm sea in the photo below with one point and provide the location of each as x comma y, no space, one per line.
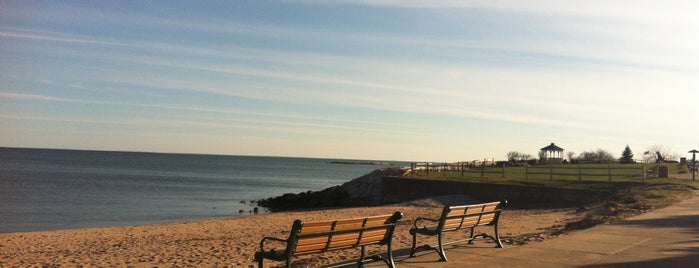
43,189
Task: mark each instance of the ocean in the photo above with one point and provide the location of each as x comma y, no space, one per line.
47,189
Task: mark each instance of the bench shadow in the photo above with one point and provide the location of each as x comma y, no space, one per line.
399,255
403,256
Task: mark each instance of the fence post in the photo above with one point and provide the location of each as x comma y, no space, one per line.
526,173
551,172
427,167
444,169
579,174
609,171
482,170
643,169
503,171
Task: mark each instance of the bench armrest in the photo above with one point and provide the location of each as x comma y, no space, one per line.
415,223
262,243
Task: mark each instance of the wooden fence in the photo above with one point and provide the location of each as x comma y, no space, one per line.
534,172
581,171
463,167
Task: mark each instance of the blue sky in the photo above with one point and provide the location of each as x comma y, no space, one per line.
391,80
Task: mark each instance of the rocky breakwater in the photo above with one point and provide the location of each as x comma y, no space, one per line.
362,191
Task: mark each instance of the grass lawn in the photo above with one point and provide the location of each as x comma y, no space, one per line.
591,176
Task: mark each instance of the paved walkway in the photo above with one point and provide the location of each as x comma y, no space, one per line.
667,237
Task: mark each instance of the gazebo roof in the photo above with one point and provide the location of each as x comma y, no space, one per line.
552,147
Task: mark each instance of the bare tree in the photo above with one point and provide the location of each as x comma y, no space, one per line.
604,156
514,156
598,156
654,151
587,157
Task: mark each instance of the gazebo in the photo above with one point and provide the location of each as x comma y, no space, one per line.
552,154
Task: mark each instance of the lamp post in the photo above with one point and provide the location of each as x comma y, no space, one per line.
694,163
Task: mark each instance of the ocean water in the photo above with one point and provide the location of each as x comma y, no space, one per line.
43,189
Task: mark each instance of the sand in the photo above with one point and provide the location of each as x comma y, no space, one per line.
232,242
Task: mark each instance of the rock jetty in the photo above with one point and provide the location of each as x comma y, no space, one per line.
362,191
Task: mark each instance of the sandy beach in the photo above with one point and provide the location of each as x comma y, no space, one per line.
232,242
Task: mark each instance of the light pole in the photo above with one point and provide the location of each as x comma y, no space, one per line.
694,163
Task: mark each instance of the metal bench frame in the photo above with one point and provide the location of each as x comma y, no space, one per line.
297,233
486,214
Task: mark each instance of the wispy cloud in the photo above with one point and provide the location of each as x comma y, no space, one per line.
449,88
234,118
9,95
573,67
669,11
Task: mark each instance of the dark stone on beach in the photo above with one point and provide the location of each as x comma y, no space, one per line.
330,197
362,191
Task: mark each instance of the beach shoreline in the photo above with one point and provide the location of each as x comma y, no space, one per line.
232,242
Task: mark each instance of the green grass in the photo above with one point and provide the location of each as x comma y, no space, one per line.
592,176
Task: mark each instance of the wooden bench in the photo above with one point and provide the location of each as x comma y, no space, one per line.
456,218
318,237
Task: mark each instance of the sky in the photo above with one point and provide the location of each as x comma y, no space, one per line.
351,79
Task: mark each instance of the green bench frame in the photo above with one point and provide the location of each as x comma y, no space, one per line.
454,218
318,237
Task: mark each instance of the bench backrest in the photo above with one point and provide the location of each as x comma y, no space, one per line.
458,217
315,237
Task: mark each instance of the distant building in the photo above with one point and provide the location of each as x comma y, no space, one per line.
551,154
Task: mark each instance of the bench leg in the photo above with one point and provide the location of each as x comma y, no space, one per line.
413,249
438,248
363,258
471,238
259,263
497,237
442,256
360,263
389,262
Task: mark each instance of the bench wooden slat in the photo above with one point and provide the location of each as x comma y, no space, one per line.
348,225
345,237
316,229
375,233
343,243
312,241
302,249
379,220
372,240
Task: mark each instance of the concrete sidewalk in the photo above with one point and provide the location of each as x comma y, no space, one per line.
667,237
